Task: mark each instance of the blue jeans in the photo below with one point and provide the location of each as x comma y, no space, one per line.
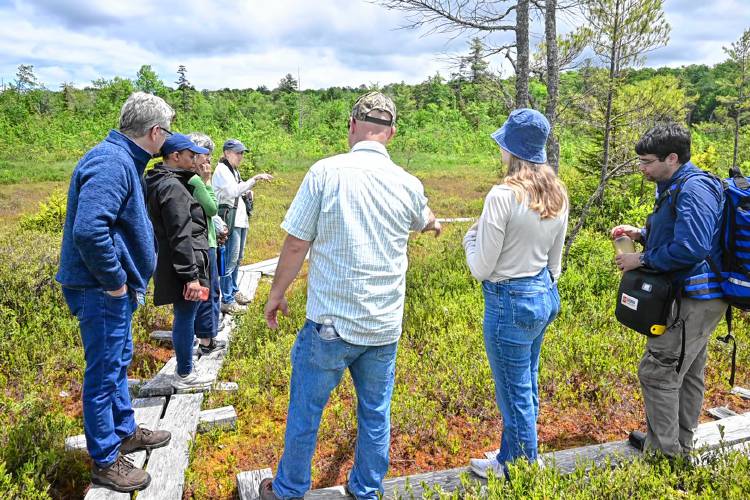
317,367
235,249
207,317
108,347
183,334
516,314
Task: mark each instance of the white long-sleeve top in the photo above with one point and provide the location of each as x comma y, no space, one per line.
228,187
512,241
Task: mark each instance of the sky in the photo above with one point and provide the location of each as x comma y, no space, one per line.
248,43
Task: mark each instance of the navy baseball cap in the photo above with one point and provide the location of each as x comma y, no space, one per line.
524,134
180,142
235,145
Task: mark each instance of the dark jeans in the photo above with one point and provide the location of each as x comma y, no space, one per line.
108,347
183,334
207,317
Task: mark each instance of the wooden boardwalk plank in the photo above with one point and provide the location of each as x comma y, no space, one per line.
147,413
457,219
741,392
728,433
167,465
247,282
248,482
720,412
161,335
161,384
218,418
263,266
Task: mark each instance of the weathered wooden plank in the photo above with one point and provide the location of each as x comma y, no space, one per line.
75,443
210,365
161,335
741,392
729,433
226,387
248,483
147,413
457,219
262,266
720,412
167,465
218,418
248,282
161,384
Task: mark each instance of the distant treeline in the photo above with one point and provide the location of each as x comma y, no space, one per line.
440,115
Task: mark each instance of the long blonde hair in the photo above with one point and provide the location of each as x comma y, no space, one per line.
546,193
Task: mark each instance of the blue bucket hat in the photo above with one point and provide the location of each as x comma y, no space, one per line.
235,145
524,134
180,142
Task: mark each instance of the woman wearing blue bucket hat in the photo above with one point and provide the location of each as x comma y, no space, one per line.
514,250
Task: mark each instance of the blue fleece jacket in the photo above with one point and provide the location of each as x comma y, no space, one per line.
681,240
108,239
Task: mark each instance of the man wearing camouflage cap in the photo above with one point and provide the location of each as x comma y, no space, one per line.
353,212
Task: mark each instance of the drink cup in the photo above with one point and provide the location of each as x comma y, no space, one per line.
623,244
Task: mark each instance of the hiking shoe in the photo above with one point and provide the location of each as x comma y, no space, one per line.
482,467
214,346
242,299
121,476
265,490
194,380
637,440
233,308
144,439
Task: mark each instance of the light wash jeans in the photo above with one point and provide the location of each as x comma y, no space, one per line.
105,323
235,250
317,367
516,314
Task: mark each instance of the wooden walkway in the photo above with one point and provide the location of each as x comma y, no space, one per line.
158,407
731,432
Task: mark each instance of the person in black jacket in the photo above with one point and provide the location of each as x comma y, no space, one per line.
181,231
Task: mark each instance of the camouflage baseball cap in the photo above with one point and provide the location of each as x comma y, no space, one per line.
374,101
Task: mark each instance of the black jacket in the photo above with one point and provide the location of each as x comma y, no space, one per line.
181,232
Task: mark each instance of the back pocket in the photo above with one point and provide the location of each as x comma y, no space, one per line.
530,309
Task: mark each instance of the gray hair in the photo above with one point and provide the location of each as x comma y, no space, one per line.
141,112
202,140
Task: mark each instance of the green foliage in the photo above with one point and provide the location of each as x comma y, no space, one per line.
50,218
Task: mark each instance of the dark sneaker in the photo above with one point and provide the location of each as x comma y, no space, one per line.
214,346
121,476
265,490
144,439
637,439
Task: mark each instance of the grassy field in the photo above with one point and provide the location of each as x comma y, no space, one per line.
443,405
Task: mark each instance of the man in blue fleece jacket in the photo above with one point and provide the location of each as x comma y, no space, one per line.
107,258
681,239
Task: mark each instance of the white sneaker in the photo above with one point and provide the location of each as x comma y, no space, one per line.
482,467
196,380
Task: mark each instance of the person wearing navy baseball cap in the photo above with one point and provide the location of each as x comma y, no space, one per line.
235,198
514,250
182,263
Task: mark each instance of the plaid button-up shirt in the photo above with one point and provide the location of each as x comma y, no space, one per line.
357,210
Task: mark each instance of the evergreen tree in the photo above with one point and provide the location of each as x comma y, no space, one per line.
148,81
184,87
736,89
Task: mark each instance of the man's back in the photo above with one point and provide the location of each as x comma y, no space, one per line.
358,209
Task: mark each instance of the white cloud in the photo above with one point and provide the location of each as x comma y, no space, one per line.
246,43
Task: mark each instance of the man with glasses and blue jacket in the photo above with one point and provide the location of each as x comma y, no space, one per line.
682,238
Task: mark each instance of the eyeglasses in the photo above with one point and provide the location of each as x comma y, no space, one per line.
165,130
641,161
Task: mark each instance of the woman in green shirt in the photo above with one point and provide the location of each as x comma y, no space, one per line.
207,319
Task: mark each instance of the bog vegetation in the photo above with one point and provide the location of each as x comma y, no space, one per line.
443,404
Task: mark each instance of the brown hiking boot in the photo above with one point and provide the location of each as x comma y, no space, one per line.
121,476
144,439
265,490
